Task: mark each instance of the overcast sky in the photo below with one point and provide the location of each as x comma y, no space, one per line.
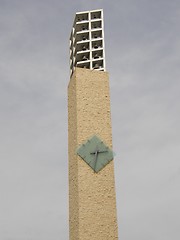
142,41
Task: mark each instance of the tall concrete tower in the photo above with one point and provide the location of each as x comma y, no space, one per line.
92,200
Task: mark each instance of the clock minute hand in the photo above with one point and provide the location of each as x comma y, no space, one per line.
95,158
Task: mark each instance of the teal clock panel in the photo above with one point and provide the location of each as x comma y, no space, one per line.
95,153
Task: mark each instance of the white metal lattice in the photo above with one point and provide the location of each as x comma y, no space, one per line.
87,41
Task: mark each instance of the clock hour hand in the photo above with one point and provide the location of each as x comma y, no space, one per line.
102,151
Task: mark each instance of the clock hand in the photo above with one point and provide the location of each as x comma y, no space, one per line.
96,156
98,151
102,151
95,159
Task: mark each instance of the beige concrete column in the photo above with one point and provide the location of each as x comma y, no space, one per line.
92,201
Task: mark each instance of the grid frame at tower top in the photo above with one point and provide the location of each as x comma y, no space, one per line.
87,48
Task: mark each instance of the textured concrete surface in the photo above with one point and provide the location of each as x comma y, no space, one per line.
92,201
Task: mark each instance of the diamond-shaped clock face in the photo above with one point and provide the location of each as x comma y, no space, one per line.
95,153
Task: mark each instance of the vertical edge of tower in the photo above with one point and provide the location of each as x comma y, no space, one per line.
73,167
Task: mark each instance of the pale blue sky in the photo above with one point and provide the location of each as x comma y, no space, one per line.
142,40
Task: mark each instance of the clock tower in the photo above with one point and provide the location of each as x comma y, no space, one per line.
92,200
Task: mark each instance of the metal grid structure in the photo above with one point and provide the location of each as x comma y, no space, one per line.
87,41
